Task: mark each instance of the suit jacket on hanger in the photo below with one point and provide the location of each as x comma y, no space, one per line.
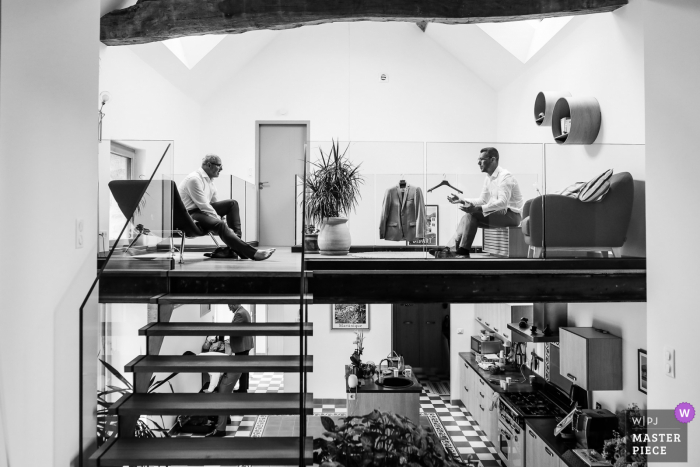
402,218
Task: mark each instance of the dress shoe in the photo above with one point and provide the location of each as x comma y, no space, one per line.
440,252
215,434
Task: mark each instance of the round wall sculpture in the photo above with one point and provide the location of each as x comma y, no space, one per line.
544,106
585,116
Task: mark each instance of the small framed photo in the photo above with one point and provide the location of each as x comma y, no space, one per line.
642,370
431,228
350,316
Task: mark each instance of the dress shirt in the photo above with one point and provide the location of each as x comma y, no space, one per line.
500,192
197,190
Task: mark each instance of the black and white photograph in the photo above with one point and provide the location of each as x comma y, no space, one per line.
350,316
642,370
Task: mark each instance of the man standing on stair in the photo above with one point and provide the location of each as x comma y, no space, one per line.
198,193
240,345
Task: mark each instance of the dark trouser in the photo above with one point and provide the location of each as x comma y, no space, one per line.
230,231
244,382
466,230
226,385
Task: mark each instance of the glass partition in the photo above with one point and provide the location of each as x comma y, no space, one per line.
435,170
135,203
595,202
390,175
454,166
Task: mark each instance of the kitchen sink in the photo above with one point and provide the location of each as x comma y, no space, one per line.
397,382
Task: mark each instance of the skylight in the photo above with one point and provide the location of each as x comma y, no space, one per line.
524,39
190,50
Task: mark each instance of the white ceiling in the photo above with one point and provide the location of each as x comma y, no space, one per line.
496,53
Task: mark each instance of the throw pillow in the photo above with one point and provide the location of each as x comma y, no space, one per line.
571,191
596,189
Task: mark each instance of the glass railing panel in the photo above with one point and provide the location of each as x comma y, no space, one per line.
384,168
601,216
135,214
454,166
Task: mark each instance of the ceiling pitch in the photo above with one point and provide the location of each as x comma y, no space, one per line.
158,20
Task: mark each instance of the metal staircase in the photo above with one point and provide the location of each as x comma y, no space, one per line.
123,449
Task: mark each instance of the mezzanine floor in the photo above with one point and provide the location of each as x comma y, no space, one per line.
386,277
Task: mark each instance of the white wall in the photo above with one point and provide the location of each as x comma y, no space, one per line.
146,106
672,65
331,349
594,55
330,75
48,169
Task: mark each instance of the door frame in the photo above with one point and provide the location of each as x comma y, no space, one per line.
307,123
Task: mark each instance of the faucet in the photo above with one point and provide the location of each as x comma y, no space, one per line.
380,380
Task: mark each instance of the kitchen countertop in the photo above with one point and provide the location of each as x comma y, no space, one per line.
544,428
470,359
374,387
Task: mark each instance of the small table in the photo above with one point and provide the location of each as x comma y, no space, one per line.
371,396
508,242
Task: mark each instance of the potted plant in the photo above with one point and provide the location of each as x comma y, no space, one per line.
332,190
379,439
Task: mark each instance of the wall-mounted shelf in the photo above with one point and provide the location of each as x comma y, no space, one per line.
585,116
526,335
544,106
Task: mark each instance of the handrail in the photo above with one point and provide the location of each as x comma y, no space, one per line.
303,318
82,308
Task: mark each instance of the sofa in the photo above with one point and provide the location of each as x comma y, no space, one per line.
556,222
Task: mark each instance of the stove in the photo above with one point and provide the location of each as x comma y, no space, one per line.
533,404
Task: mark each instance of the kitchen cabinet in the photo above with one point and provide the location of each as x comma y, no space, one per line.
477,397
537,453
496,316
591,358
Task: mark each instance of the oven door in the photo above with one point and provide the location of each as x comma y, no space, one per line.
505,438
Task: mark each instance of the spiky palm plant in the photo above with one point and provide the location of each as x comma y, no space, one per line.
332,186
107,424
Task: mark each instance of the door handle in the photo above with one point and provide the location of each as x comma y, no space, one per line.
408,322
262,185
570,376
481,394
495,329
548,451
532,434
482,409
466,388
481,381
487,324
430,322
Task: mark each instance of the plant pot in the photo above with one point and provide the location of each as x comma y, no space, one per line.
334,238
311,242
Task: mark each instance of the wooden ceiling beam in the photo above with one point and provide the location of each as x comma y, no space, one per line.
157,20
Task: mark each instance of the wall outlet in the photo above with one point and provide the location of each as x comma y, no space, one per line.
79,232
351,396
460,331
669,362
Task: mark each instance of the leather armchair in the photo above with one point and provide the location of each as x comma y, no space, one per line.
558,222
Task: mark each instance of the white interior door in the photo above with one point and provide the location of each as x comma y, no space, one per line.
280,160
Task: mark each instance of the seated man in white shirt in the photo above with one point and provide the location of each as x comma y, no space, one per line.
198,193
500,204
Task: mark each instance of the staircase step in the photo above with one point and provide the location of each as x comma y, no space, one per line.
265,299
225,329
211,404
204,451
233,363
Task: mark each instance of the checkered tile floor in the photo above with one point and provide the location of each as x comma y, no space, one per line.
464,432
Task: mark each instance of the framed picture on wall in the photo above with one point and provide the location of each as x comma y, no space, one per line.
350,316
642,370
431,227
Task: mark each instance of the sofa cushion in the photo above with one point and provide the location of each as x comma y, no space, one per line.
571,191
596,189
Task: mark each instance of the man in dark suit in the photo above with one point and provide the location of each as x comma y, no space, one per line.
240,345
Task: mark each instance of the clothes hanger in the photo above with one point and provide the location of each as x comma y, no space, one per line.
444,182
